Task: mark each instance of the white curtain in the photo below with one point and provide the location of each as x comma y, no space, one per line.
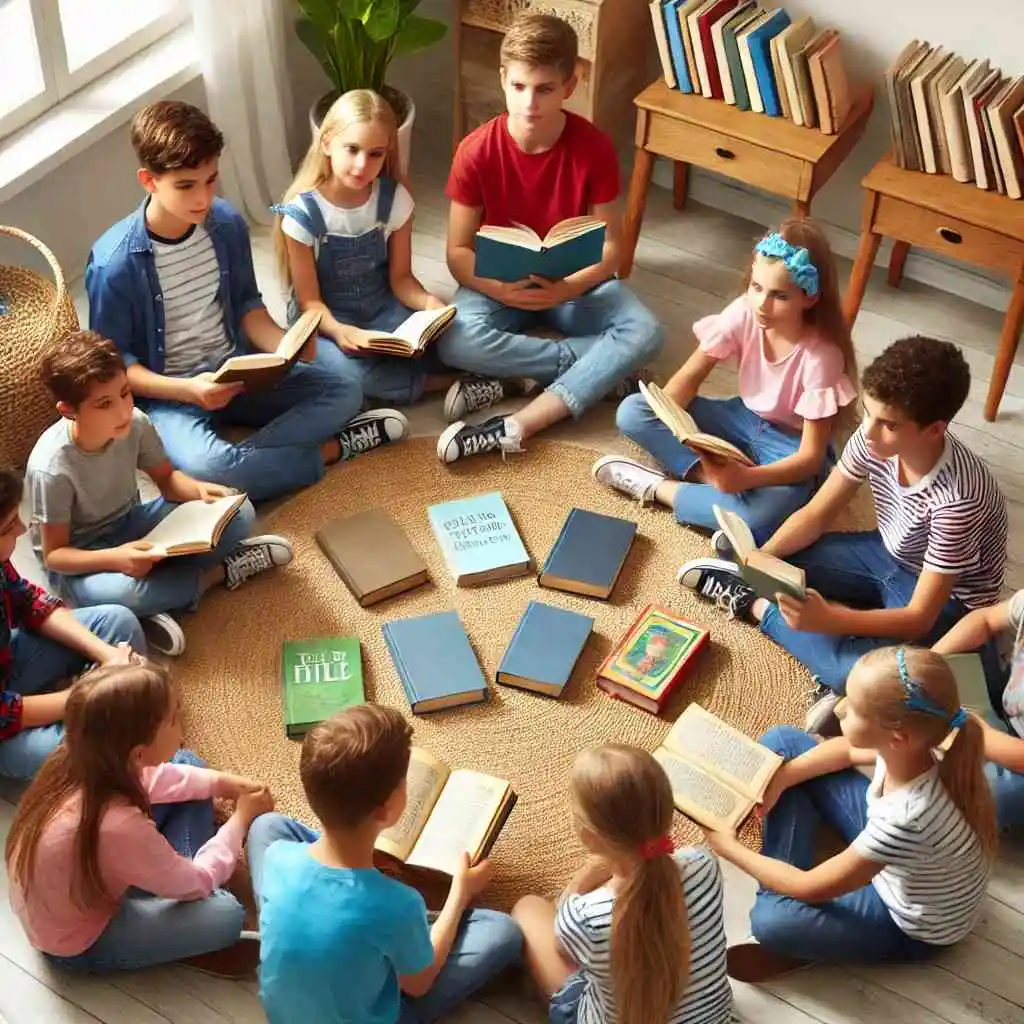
242,54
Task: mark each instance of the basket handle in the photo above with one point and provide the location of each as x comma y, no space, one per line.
58,275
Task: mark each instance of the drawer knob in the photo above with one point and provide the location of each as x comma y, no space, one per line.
725,154
951,236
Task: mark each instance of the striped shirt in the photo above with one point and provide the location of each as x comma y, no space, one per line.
583,926
935,873
194,333
953,520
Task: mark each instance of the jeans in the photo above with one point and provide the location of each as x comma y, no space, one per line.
150,930
765,509
856,569
292,420
608,333
487,942
564,1007
1008,790
172,585
855,928
41,665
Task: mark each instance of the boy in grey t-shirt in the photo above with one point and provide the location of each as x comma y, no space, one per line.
88,518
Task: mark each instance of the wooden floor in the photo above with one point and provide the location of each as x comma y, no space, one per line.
688,265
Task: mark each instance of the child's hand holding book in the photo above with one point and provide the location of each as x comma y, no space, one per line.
726,475
135,559
470,880
811,615
204,391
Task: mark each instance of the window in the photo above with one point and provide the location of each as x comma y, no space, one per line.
51,48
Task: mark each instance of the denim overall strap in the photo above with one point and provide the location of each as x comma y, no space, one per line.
385,199
305,211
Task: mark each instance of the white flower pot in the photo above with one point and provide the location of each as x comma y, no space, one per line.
399,100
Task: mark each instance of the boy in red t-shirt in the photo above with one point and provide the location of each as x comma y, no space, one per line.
536,165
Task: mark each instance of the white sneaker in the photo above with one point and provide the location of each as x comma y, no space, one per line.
255,555
821,720
164,634
630,477
371,429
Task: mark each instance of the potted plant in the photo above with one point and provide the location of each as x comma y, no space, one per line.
355,41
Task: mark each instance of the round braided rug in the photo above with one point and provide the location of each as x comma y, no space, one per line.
230,675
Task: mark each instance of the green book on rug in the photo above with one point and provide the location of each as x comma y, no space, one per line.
318,678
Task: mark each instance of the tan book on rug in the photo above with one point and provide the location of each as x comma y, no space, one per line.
264,369
1008,151
926,130
791,40
685,429
949,74
447,812
765,573
412,336
717,773
194,527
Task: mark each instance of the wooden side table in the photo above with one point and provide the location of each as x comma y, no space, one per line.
950,217
770,153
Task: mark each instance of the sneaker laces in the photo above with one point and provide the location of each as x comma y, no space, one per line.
481,392
726,597
623,481
356,440
246,563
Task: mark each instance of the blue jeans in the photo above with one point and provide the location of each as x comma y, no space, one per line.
855,928
172,585
765,509
487,942
857,569
607,334
150,930
564,1007
1008,790
41,665
292,420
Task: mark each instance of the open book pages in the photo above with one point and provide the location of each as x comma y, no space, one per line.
194,526
287,351
415,333
685,429
526,237
424,781
765,573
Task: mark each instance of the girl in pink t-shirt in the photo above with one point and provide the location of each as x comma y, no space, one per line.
789,339
114,858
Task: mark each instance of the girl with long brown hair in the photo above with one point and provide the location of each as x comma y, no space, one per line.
922,835
114,858
638,937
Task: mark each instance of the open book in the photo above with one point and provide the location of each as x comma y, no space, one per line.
765,573
683,426
412,336
264,369
194,527
514,253
717,773
447,812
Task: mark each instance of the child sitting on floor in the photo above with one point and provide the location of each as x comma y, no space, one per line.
796,367
638,937
88,520
922,835
114,858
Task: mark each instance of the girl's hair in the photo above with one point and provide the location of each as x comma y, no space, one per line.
962,764
622,796
110,711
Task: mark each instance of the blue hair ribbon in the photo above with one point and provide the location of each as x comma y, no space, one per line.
796,259
918,700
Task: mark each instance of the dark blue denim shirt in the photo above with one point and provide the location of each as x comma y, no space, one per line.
125,300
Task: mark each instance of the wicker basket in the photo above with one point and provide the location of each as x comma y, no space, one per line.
33,313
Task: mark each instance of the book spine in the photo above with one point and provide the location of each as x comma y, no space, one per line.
396,657
558,542
515,636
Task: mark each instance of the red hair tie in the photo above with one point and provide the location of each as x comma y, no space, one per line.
660,846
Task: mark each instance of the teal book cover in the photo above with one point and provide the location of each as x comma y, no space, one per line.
502,260
478,539
732,54
760,55
318,678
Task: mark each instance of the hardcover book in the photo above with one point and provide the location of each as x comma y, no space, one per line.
412,336
759,42
655,653
765,573
318,678
265,369
544,649
193,527
516,253
731,32
677,51
791,41
700,27
685,428
588,554
747,62
928,132
661,39
831,86
739,13
478,539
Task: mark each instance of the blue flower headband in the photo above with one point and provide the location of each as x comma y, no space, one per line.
797,260
918,700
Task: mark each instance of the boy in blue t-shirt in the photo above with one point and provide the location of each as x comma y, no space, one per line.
341,941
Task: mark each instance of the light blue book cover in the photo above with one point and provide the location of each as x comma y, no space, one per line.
760,42
544,648
478,539
674,32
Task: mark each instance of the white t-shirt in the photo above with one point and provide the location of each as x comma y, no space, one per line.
935,873
355,220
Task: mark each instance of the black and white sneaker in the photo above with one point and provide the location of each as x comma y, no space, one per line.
471,394
629,385
371,429
254,556
720,581
164,634
463,439
721,546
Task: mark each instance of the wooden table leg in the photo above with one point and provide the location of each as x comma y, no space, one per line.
896,260
867,250
636,200
1008,342
680,172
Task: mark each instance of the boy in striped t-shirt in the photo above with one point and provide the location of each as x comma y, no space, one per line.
939,549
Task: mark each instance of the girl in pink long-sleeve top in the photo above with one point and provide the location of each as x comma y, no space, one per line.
114,858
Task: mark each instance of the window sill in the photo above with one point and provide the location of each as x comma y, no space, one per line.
109,102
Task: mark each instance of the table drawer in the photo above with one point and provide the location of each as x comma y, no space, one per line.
778,173
896,218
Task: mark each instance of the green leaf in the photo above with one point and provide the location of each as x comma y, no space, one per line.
381,19
322,14
418,33
314,41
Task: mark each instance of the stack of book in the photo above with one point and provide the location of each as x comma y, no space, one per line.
948,115
755,59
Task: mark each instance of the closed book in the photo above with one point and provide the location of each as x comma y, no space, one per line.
909,53
676,50
693,28
747,61
706,18
372,555
319,678
478,539
435,662
738,13
790,41
954,119
658,21
828,75
683,12
588,554
980,157
926,129
907,113
1008,150
776,51
544,648
759,42
984,105
730,43
935,89
515,253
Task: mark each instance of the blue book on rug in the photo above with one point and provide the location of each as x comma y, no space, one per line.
544,648
514,253
674,31
589,554
760,42
435,662
478,539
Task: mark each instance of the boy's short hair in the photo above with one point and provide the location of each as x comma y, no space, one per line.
353,761
541,41
10,491
170,135
926,378
76,363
